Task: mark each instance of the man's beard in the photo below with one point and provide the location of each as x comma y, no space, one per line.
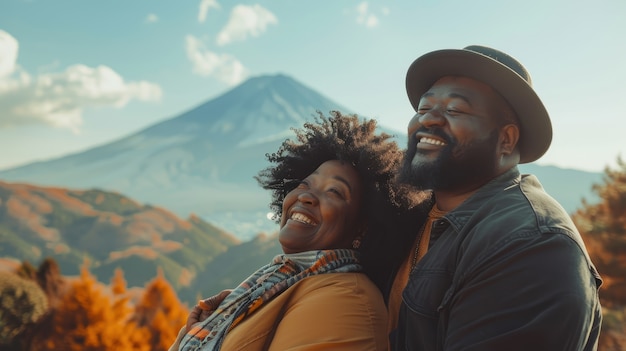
456,168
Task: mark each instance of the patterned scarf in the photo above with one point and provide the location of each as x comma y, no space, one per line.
266,283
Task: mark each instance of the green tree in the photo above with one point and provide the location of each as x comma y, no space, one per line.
22,304
27,270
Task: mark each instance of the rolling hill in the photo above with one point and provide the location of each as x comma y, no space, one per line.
109,230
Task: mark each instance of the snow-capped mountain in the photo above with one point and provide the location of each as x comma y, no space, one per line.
204,160
201,161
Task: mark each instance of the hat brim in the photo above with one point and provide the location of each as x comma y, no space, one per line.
536,128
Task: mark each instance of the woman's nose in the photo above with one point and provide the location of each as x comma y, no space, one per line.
307,197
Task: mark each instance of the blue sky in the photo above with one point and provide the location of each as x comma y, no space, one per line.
76,74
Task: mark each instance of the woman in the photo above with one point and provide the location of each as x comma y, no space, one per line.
330,188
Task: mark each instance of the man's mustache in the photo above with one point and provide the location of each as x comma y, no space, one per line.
438,132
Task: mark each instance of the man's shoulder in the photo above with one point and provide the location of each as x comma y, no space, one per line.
522,212
525,198
522,206
548,211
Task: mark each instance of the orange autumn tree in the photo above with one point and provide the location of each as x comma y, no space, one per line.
160,312
89,318
135,335
603,227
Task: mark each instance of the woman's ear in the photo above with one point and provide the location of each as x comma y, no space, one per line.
356,243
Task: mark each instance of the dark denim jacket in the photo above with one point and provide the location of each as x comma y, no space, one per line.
506,270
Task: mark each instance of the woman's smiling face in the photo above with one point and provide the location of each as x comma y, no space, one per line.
322,212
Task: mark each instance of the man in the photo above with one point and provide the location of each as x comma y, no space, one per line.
498,265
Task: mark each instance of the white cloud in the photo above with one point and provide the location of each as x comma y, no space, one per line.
224,67
151,18
205,5
58,99
8,54
364,16
245,21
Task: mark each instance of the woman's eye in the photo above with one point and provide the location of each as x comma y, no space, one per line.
337,192
290,184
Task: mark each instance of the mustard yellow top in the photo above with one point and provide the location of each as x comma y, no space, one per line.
337,311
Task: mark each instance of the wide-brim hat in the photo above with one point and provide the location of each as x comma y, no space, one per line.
500,71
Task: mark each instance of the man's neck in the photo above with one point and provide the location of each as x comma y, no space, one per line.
447,201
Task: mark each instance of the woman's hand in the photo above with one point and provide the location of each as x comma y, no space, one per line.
200,312
205,308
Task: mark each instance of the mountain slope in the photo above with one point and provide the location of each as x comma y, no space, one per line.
202,160
107,229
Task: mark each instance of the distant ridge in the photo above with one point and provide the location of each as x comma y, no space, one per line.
203,161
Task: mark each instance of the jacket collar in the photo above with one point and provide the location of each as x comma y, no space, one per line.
460,215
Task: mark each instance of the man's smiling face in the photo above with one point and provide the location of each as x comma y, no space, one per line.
452,140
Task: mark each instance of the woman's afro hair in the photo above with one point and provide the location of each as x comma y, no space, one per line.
376,157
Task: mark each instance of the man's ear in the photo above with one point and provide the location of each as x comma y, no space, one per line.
509,136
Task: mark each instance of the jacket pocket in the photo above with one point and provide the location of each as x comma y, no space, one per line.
420,313
425,291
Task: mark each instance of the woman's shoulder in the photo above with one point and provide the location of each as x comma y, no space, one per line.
339,284
341,309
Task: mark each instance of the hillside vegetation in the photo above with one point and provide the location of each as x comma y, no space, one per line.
603,226
107,229
128,244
